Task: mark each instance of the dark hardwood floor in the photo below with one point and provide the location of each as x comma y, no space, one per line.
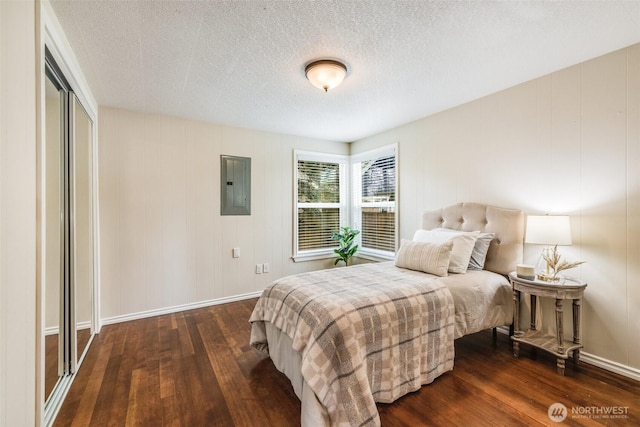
196,368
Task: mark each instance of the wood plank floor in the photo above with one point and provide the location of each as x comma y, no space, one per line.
196,368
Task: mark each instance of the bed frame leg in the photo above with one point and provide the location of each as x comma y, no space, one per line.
495,334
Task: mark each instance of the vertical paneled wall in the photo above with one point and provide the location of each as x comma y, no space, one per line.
566,143
163,240
18,392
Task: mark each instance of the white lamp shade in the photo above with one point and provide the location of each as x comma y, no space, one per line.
548,230
326,74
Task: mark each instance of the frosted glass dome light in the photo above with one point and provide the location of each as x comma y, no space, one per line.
326,73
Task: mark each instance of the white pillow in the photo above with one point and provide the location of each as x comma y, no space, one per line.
463,244
422,256
480,248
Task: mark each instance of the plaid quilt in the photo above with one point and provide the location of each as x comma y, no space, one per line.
368,333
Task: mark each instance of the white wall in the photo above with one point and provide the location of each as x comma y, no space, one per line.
163,240
17,213
566,143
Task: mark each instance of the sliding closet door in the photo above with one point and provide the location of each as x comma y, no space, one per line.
53,234
67,235
82,229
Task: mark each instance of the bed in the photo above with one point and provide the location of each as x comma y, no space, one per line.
350,337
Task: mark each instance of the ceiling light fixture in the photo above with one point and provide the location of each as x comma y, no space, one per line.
326,73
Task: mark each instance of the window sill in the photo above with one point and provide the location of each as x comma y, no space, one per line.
375,256
312,257
370,256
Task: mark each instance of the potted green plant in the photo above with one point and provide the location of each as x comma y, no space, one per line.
347,247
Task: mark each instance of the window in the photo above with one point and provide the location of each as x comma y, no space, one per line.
373,175
321,203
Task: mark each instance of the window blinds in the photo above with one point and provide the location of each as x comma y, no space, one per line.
318,204
374,201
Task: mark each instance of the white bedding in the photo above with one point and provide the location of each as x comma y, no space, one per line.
482,300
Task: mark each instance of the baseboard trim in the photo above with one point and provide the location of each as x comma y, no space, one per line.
609,365
53,330
177,308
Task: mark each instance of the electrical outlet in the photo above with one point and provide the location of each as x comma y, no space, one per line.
258,268
266,267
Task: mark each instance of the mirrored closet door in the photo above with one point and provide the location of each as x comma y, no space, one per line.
67,235
54,246
82,231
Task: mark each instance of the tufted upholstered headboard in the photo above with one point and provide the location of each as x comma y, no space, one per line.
506,248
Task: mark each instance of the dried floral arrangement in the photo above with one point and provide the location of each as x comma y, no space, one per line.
556,264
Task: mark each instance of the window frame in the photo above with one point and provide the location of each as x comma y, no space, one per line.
343,205
356,204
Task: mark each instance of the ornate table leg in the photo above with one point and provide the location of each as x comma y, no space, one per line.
516,321
534,299
559,335
576,329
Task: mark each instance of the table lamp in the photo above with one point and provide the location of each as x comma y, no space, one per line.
549,230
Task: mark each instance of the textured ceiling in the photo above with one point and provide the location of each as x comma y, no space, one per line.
241,63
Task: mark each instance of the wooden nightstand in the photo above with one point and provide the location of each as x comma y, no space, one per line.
565,289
